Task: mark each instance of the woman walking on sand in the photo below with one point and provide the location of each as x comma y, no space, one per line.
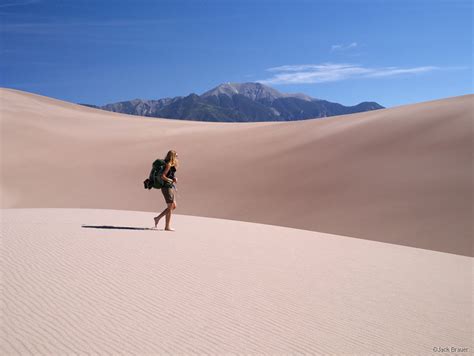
168,179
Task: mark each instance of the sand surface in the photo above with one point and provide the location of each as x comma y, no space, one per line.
402,175
218,287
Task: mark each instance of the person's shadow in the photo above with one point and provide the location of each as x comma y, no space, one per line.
117,227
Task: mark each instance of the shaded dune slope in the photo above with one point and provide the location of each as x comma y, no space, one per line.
401,175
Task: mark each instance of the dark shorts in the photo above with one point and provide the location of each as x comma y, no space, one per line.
168,194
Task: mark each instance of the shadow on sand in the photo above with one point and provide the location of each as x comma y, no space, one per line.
117,227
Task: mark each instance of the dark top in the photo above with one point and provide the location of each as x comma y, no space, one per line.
170,175
171,172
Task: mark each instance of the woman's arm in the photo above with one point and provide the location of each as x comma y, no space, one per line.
165,172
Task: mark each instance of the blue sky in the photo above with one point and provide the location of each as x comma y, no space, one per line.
394,52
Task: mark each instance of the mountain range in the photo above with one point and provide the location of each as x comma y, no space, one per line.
238,102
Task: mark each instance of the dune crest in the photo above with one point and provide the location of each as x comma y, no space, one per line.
401,175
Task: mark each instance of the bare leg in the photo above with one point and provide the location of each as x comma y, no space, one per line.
168,216
157,219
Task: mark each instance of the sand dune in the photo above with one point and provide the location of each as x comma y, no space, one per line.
401,175
220,286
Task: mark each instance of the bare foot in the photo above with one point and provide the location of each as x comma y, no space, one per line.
169,229
157,219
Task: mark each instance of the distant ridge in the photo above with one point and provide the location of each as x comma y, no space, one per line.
238,102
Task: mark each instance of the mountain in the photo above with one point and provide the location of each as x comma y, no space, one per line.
238,102
253,91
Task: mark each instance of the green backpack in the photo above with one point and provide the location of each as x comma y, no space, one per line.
154,179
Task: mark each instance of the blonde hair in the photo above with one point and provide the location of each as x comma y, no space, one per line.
171,158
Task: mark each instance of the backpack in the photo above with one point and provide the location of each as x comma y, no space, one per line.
154,179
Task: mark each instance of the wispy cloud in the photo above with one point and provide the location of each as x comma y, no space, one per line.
332,72
58,27
341,47
18,3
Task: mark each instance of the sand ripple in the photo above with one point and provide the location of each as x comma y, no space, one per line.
220,287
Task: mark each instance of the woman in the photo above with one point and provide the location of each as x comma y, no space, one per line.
167,189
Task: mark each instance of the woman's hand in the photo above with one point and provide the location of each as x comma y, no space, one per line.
175,180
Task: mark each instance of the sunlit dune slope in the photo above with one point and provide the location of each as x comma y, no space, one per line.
90,281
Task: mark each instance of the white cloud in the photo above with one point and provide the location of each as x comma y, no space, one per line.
332,72
390,71
341,47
